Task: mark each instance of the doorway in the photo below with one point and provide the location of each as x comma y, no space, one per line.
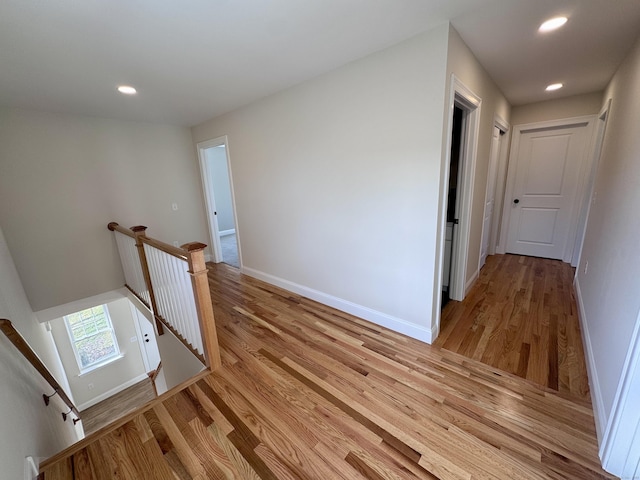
457,191
457,130
219,200
494,194
546,180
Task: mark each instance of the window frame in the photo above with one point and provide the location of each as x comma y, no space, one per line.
105,361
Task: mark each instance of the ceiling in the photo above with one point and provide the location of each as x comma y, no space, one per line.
195,59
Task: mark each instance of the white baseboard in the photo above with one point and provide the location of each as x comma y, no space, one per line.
111,392
620,448
208,257
224,233
470,282
393,323
594,384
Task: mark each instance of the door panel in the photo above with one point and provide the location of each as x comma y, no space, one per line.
546,164
148,341
537,225
490,196
547,172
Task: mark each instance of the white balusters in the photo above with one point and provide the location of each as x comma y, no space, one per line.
173,283
131,266
174,294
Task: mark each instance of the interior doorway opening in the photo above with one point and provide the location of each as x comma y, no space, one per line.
494,193
217,185
457,191
457,135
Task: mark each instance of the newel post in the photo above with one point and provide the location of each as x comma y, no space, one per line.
202,295
139,234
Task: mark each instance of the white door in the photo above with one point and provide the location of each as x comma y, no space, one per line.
545,184
490,195
148,342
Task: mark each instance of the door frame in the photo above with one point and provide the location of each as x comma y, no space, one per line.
489,192
462,96
209,199
500,184
600,130
586,120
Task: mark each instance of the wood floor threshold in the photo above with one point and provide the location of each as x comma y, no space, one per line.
521,316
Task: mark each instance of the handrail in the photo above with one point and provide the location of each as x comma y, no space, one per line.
160,245
165,247
113,226
23,347
164,305
137,234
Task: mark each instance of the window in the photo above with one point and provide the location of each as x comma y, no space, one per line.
92,337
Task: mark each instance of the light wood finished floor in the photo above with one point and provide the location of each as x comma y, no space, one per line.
521,317
306,392
109,410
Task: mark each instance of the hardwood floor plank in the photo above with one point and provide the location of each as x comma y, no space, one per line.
523,361
552,379
114,449
182,449
139,454
158,431
160,467
211,456
61,470
237,461
103,468
367,470
239,428
82,466
261,459
217,418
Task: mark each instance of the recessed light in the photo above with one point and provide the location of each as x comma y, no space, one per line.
554,86
127,90
552,24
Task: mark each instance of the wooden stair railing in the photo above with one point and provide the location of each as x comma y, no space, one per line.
27,352
163,277
153,375
135,270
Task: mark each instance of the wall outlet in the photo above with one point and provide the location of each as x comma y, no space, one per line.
174,206
90,386
133,339
586,267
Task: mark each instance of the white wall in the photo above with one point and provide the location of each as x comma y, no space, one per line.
178,363
29,428
336,182
567,107
64,177
113,377
14,306
462,63
609,289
